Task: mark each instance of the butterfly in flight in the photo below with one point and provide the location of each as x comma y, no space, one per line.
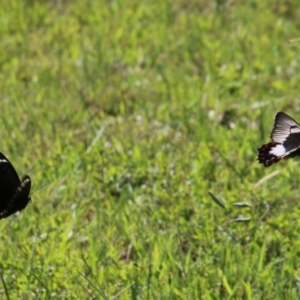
14,194
285,143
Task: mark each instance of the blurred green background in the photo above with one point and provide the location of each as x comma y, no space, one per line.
126,114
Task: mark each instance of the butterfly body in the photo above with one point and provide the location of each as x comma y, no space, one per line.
14,194
285,141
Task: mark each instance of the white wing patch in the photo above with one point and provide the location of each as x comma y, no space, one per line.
278,150
295,130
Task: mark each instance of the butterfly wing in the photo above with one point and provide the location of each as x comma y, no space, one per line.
286,131
9,181
285,140
19,199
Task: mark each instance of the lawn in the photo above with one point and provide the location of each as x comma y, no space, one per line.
136,120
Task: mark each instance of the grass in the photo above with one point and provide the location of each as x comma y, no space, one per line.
126,114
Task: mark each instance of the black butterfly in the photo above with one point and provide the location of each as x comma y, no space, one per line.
14,194
285,141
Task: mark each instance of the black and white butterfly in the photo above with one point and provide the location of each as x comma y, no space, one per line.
14,194
285,141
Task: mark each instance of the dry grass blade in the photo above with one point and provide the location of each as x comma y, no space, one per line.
266,178
296,40
241,220
242,204
216,200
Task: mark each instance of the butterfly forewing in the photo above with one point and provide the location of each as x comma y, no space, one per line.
14,194
9,181
286,131
285,140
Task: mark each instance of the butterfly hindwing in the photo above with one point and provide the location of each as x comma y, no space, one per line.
285,141
19,200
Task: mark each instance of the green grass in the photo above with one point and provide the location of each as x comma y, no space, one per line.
116,110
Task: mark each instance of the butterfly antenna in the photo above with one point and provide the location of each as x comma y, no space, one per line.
38,188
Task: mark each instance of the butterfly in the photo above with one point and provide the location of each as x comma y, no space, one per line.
14,194
285,143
